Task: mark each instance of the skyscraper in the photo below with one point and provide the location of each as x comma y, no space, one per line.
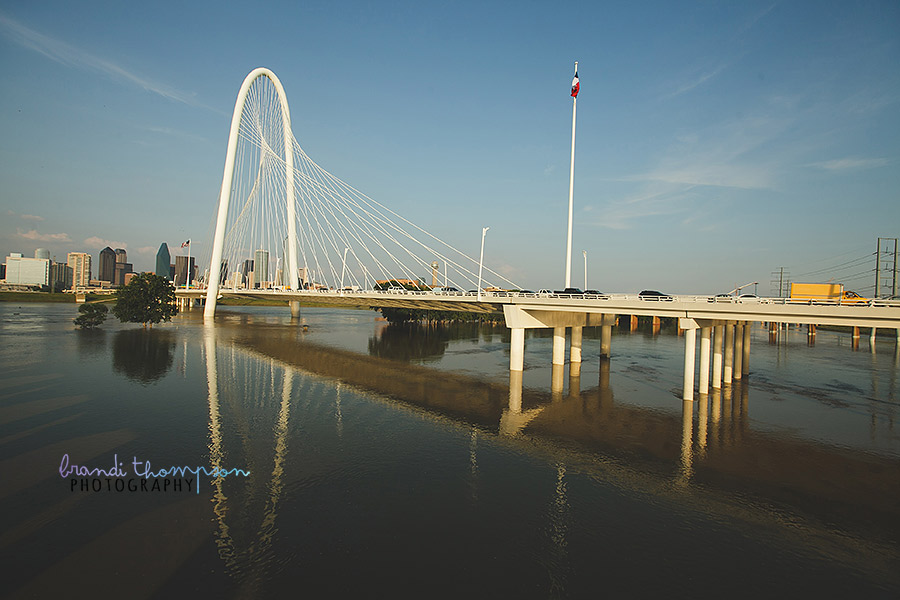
261,267
42,253
107,270
184,269
81,268
163,260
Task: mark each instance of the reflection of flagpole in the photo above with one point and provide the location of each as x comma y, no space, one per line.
575,86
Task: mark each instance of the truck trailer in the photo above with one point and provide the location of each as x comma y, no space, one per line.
825,293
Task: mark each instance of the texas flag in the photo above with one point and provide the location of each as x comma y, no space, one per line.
188,243
575,84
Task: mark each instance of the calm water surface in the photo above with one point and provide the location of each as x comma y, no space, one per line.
406,462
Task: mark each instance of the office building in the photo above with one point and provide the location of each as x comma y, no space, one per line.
60,276
80,263
27,271
42,253
261,268
163,262
184,270
107,265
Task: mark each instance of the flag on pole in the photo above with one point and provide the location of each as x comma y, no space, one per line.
186,244
575,84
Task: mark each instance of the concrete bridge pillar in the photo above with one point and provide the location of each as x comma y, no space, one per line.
575,346
704,360
729,353
559,346
517,349
690,350
738,350
295,309
718,334
745,362
605,341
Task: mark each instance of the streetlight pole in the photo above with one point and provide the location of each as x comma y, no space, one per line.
585,268
484,231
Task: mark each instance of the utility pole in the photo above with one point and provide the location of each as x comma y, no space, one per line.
880,275
783,280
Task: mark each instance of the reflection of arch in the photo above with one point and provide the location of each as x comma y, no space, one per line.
224,541
215,266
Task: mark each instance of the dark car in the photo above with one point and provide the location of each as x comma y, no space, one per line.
569,291
655,296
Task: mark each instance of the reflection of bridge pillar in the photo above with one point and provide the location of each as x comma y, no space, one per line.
574,380
729,352
557,375
702,416
515,391
559,346
575,346
604,373
690,340
704,360
719,333
517,350
738,349
745,362
687,423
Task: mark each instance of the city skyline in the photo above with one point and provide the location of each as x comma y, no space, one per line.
715,143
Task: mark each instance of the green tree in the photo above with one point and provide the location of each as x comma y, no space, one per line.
90,315
148,298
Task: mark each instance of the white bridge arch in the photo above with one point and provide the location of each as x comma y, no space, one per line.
277,205
212,290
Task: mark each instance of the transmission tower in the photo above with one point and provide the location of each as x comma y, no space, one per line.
886,268
780,283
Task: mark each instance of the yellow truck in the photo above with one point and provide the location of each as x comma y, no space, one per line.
826,293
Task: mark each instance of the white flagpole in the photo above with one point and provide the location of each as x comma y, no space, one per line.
187,277
571,190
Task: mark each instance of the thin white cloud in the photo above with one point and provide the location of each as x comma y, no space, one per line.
70,56
43,237
147,250
31,217
697,81
100,243
851,164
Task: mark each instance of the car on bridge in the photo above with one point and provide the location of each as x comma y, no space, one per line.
569,292
655,296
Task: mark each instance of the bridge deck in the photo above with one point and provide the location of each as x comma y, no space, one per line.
882,314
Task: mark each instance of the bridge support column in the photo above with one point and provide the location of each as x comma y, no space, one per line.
517,350
718,333
295,309
575,346
745,363
605,341
690,350
729,353
738,350
704,360
559,345
872,336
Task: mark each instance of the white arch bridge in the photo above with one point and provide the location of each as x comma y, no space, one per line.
286,228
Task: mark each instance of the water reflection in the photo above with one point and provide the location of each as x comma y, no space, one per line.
91,342
143,355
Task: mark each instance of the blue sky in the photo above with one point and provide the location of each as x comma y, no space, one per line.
716,142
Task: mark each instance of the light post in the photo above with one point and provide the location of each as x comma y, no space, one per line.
484,231
585,269
343,268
